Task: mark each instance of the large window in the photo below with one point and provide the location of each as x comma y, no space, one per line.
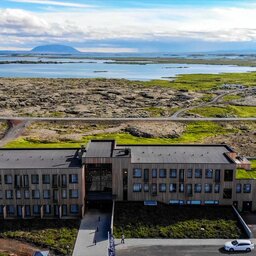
146,174
8,194
198,173
227,193
8,179
137,187
146,187
64,193
27,210
173,188
181,187
189,173
54,180
17,181
73,178
154,173
10,209
63,180
47,209
228,175
247,188
154,189
26,194
208,188
64,210
208,173
74,208
238,188
47,194
189,190
217,188
46,179
198,188
173,173
162,173
162,187
26,180
36,194
18,194
137,173
1,194
217,175
181,175
73,193
36,209
35,179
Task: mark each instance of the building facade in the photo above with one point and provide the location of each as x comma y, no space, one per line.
60,183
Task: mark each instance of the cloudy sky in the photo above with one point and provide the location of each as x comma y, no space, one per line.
129,25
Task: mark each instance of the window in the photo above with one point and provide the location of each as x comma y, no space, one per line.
137,173
26,180
73,193
27,210
217,175
46,194
198,188
63,180
64,210
154,189
154,173
18,194
19,210
1,209
54,180
46,179
238,188
1,194
8,194
64,193
0,179
189,173
162,187
162,173
26,194
36,194
227,193
173,188
208,173
198,173
10,209
35,179
217,188
8,179
173,173
36,209
17,181
146,174
146,187
189,191
208,188
74,208
73,178
247,188
228,175
181,188
56,195
47,209
136,187
181,175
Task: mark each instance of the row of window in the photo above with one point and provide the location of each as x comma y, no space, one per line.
54,179
36,209
173,173
198,188
73,193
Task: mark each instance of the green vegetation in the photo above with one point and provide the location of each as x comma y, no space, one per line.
243,174
166,221
225,111
194,132
231,97
204,82
53,234
160,111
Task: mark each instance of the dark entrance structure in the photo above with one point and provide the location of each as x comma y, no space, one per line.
247,206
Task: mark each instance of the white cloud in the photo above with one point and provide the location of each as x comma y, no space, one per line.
214,24
108,49
48,2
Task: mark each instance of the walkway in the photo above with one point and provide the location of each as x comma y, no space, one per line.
87,233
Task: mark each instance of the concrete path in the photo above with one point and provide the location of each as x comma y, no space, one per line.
87,233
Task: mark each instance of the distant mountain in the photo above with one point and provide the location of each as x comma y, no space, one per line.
55,48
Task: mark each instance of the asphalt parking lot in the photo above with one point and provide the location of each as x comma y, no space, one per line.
177,251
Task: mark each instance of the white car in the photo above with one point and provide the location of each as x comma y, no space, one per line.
239,245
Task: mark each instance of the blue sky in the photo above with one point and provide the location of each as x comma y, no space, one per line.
129,25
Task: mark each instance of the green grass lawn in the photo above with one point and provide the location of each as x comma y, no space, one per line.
231,97
225,111
195,132
166,221
243,174
52,234
203,82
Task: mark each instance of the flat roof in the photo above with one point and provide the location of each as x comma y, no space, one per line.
39,158
100,148
179,153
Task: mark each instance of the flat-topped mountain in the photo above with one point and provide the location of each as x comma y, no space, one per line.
54,48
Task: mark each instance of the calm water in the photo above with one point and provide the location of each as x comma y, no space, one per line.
98,68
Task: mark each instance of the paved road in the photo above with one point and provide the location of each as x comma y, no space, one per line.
123,119
156,250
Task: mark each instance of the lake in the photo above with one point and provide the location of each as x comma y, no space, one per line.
91,68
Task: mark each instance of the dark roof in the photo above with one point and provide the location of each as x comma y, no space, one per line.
39,158
178,153
100,148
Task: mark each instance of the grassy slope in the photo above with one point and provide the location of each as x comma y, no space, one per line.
194,132
225,111
243,174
